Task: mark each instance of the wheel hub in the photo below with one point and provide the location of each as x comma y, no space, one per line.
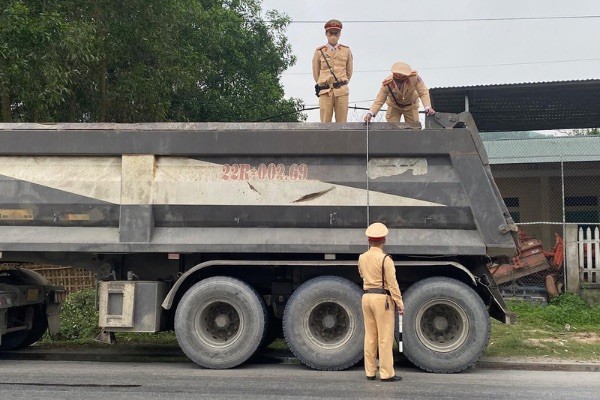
218,323
328,325
222,320
442,325
329,321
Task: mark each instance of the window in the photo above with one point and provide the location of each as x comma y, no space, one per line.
581,209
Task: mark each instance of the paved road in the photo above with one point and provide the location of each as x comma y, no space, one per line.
102,380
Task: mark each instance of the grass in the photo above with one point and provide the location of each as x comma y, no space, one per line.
566,329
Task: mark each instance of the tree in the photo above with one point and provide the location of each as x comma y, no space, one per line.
39,56
147,60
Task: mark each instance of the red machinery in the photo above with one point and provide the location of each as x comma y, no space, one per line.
532,259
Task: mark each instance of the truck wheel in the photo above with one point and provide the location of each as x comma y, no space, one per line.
24,338
13,340
446,326
220,322
323,324
38,328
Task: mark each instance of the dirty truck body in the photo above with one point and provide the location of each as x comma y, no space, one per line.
234,234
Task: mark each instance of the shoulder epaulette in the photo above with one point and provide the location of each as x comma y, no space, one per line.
343,45
321,47
387,80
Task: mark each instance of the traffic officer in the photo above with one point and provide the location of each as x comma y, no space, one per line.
401,92
332,70
380,300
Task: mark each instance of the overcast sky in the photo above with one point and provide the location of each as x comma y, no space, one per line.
445,53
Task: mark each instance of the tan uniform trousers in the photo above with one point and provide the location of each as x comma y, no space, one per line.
328,103
379,334
411,113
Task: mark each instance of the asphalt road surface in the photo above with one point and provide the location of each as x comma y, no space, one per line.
103,380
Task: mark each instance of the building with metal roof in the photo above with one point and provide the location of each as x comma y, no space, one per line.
544,150
525,106
549,181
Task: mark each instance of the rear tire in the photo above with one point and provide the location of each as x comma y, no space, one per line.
13,340
446,326
323,323
24,338
220,322
39,327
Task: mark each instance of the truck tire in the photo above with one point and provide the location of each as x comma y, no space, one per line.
220,322
38,328
323,323
445,327
13,340
24,338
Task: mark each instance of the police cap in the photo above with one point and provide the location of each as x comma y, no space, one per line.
376,230
333,24
401,68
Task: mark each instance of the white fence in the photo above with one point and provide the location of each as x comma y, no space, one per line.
589,255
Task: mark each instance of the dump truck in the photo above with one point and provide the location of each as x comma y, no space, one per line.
232,234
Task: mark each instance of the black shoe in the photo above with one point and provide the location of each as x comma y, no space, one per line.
395,378
370,378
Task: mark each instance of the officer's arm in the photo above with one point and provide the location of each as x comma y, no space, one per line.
316,66
392,283
379,101
360,266
423,92
349,65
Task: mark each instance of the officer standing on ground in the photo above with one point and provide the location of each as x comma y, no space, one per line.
401,92
380,300
332,70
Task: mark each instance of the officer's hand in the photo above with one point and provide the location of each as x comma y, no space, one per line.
429,111
400,311
368,117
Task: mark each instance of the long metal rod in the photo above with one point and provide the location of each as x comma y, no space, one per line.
564,219
367,171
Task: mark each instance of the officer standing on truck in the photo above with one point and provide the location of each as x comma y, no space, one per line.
401,92
332,70
380,301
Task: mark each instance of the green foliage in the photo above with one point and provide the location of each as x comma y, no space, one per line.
565,309
566,329
78,317
143,61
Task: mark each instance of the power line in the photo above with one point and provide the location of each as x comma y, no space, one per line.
469,66
408,21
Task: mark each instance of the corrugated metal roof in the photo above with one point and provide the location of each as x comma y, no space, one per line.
540,150
525,106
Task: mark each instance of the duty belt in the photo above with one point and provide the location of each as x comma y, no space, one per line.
377,291
336,85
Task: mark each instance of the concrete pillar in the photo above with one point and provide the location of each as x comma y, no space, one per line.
572,259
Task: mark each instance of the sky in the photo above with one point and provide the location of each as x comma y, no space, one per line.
494,46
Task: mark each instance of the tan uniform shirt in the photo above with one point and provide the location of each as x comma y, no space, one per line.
369,268
340,60
407,94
